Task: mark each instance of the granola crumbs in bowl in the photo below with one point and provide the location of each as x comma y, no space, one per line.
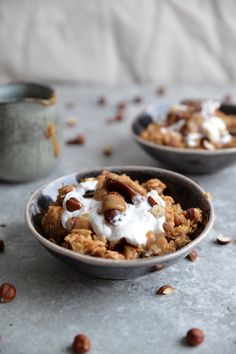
120,222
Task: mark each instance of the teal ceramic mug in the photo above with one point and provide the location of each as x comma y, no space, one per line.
29,145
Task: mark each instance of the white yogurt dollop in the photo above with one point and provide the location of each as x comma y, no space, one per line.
133,224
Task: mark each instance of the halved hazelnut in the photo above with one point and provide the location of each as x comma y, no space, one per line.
73,204
151,201
223,240
113,201
123,185
166,290
192,256
109,215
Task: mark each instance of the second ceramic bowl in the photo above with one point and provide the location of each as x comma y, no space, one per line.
181,188
189,161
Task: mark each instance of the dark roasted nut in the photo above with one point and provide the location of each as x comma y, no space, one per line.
194,337
81,344
161,90
102,101
109,215
166,290
78,140
190,213
192,256
118,117
73,204
121,105
107,151
223,240
2,246
151,201
137,99
123,185
113,201
7,292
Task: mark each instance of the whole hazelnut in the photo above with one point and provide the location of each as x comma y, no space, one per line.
7,292
194,337
81,344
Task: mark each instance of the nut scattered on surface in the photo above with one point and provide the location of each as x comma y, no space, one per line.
7,292
107,151
166,290
192,256
137,99
223,240
102,101
194,337
161,90
121,105
81,344
78,140
1,246
119,117
71,121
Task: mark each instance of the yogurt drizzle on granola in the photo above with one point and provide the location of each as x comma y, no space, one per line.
213,128
132,225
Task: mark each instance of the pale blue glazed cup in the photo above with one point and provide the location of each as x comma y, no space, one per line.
29,146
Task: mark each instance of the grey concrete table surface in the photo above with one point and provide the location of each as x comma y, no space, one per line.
54,303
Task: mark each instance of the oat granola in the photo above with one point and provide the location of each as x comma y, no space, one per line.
195,124
113,216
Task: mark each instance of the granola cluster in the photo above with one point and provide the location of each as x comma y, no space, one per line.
116,195
194,124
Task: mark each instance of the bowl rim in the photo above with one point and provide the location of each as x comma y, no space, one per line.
111,262
182,151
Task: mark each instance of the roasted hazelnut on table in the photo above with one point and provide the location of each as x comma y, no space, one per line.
7,292
81,344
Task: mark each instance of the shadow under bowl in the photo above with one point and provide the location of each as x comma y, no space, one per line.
181,188
189,161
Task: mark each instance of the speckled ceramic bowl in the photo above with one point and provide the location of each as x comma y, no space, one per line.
29,145
189,161
183,190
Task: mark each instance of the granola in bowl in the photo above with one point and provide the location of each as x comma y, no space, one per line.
194,124
113,216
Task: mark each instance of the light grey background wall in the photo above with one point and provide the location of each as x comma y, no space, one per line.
118,41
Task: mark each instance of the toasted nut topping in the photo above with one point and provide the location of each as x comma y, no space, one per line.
81,344
123,185
158,211
190,213
151,201
73,204
109,215
166,290
192,256
223,240
113,201
194,337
